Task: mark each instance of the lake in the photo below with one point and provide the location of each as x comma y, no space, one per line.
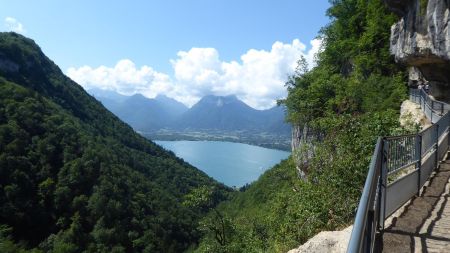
233,164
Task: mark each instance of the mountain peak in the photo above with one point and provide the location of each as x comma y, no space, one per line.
162,97
228,97
219,101
22,60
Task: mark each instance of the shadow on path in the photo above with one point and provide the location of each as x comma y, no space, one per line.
424,226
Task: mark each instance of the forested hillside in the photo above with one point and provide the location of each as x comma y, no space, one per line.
352,96
74,178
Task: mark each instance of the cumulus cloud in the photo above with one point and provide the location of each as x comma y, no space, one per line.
13,25
123,78
258,78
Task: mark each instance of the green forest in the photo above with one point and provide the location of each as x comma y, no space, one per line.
74,178
352,96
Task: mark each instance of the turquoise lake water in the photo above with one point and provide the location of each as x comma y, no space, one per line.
233,164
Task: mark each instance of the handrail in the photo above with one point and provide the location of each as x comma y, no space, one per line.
391,155
365,203
432,108
399,136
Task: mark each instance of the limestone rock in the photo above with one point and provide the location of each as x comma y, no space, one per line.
326,241
412,116
421,38
415,77
303,147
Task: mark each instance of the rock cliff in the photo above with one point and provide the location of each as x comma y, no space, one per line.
421,40
303,147
326,241
412,117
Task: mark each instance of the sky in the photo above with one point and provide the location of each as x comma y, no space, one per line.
184,49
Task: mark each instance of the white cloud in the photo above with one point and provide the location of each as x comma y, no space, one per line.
124,78
13,25
258,78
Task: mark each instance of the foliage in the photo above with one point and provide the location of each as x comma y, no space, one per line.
355,73
352,96
423,8
279,211
74,178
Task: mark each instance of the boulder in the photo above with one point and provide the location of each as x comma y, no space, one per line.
326,241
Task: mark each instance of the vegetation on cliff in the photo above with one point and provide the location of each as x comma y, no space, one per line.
352,96
74,178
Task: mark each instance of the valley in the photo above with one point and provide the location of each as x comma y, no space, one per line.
264,139
97,155
213,118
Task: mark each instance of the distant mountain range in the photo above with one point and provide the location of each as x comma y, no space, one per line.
141,113
211,113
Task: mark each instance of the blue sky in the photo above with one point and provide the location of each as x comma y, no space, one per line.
149,38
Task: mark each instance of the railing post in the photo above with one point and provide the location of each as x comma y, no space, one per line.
383,181
419,159
448,134
422,101
431,114
437,147
380,187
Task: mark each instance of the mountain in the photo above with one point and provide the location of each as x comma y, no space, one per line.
231,114
103,94
142,113
172,106
75,178
214,112
275,120
217,113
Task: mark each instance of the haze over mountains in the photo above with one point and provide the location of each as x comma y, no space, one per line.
211,113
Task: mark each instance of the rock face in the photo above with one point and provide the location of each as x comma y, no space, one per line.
303,147
421,39
412,116
326,241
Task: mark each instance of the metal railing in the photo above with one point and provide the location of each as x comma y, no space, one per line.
433,109
399,168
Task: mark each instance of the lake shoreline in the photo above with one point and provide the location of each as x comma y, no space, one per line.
231,163
264,143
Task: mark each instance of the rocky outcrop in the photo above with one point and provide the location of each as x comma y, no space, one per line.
326,241
303,147
421,39
412,117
